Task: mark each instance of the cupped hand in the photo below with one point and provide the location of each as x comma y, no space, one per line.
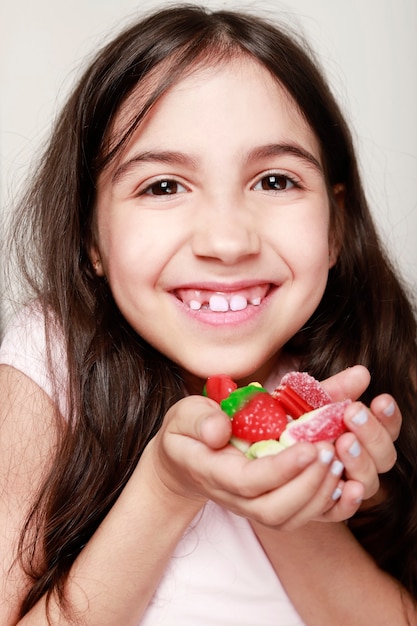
193,460
367,449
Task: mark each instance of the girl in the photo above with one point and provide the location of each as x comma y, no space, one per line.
199,210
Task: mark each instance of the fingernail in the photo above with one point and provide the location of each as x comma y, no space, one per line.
355,449
360,418
337,468
336,493
389,410
326,456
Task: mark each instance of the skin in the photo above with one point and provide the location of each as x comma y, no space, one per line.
171,483
224,232
224,228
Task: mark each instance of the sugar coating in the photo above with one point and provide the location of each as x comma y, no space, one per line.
323,424
307,387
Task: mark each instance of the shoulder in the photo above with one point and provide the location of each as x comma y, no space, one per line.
34,345
28,438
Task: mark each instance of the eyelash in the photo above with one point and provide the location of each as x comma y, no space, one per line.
162,183
280,178
170,186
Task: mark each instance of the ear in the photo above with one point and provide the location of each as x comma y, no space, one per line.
95,259
337,223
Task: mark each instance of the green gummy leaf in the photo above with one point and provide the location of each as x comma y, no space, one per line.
239,397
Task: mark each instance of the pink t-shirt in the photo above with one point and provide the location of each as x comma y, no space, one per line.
219,574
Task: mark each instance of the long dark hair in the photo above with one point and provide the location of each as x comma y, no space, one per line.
120,386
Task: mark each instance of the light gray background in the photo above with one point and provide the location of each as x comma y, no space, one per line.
368,49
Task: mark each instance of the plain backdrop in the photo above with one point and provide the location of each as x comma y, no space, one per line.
368,49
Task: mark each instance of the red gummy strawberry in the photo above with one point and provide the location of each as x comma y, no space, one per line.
260,418
323,424
219,387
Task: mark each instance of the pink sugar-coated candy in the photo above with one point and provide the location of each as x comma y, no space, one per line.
322,424
307,388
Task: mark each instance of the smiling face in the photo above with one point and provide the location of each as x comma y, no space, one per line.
212,224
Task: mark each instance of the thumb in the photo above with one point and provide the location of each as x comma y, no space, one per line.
201,419
350,383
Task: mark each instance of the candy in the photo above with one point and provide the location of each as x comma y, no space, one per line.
299,409
322,424
305,388
219,387
240,397
260,418
264,448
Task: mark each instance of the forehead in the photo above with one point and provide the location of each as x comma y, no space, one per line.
238,89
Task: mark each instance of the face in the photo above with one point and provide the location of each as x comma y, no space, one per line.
212,225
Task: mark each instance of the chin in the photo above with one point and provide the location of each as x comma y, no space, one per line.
238,369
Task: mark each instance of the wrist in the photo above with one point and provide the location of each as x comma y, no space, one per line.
169,490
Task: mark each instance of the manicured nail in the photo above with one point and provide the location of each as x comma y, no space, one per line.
389,410
336,493
326,456
337,468
360,418
355,449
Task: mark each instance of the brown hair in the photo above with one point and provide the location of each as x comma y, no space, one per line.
120,386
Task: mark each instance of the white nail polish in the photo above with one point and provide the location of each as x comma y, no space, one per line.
389,410
360,418
337,468
355,449
326,456
336,493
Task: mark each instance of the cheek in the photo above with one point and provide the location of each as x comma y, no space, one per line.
124,240
304,244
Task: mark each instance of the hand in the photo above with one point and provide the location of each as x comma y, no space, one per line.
193,460
367,449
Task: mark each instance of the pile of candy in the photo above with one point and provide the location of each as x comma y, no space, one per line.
299,409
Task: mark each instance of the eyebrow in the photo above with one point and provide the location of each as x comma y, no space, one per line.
277,149
172,157
168,157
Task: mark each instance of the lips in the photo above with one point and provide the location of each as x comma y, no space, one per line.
223,301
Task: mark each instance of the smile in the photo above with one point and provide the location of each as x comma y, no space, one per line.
223,301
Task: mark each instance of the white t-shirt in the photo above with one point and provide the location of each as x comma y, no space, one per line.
219,574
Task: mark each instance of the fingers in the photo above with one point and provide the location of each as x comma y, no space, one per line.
359,465
371,435
351,494
388,414
200,419
297,483
289,498
323,498
235,475
302,483
350,383
367,449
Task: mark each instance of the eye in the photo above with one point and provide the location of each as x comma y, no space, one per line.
164,187
275,182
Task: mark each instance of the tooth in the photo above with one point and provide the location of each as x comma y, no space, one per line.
238,303
256,301
218,303
195,305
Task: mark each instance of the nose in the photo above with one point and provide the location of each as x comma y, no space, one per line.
226,233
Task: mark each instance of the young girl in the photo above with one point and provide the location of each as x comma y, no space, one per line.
199,210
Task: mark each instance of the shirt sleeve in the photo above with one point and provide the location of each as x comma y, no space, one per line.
24,347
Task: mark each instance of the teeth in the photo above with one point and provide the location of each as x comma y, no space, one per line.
238,303
218,303
222,302
194,305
